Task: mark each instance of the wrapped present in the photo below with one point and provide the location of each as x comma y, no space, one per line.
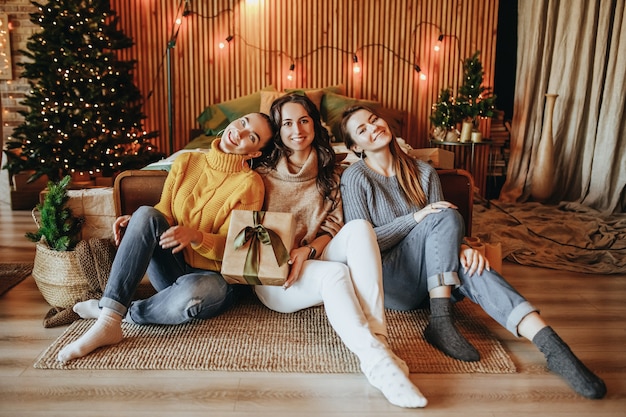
257,247
438,158
96,206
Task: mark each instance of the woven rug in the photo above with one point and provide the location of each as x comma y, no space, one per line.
250,337
13,274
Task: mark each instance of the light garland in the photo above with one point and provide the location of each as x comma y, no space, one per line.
356,65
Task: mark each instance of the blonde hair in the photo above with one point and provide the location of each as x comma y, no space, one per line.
404,165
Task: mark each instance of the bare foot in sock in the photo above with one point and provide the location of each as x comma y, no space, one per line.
562,361
401,363
395,385
107,330
443,334
87,309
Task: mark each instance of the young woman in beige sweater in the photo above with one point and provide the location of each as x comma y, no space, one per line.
332,264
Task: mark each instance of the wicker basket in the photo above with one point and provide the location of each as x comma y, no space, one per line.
59,276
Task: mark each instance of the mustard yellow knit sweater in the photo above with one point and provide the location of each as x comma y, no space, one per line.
200,192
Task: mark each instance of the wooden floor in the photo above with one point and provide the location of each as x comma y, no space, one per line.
589,312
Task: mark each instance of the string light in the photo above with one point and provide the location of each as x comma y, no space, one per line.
437,46
290,75
356,65
222,45
419,71
356,68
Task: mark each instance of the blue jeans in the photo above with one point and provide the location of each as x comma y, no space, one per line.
183,292
429,257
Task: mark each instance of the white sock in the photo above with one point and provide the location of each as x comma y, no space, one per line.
87,309
401,363
388,376
107,330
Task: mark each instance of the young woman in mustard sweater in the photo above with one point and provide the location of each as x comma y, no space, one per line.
179,242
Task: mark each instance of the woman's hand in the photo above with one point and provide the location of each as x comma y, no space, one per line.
178,237
432,208
119,226
473,261
296,260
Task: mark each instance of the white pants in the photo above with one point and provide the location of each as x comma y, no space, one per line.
347,280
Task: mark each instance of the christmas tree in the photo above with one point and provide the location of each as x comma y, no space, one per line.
445,112
474,100
85,110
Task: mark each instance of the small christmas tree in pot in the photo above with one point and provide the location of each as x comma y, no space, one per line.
474,100
57,271
444,117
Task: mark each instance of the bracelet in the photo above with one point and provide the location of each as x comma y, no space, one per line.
312,253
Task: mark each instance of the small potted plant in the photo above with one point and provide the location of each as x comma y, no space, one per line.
474,100
444,117
56,269
58,227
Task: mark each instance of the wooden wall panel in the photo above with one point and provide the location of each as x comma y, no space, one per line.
318,36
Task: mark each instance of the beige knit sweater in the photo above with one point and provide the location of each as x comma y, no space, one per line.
295,191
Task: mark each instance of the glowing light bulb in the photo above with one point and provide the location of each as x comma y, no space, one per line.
290,74
356,68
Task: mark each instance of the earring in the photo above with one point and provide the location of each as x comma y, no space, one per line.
243,163
362,155
220,133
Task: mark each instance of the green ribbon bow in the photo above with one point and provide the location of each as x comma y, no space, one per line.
259,234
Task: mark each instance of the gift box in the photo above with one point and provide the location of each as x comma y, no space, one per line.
438,158
96,206
257,247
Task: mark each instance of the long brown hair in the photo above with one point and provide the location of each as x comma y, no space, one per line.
326,180
404,165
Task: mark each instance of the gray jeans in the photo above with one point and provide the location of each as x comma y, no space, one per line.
429,256
183,292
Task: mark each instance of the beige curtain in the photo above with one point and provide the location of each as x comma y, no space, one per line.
576,49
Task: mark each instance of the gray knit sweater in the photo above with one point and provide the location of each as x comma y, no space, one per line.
378,199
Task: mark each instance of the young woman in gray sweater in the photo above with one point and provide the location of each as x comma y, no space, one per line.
420,238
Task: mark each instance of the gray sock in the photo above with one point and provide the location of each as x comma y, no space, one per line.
562,361
442,333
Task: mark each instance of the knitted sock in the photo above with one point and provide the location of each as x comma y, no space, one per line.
562,361
442,333
390,379
87,309
107,330
401,363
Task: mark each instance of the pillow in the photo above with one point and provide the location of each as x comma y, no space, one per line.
333,106
267,98
212,120
201,142
216,117
316,94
